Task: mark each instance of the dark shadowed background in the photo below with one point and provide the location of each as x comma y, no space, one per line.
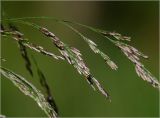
131,96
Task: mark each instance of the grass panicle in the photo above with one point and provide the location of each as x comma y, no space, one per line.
131,53
72,55
134,56
28,89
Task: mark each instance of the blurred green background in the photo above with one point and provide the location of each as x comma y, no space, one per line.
131,96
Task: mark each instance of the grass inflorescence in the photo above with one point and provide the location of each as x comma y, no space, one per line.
70,54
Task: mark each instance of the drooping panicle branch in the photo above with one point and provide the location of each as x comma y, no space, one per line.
133,55
23,50
28,89
94,47
73,56
44,84
116,35
34,47
24,54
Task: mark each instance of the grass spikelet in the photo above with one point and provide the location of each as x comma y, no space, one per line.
101,89
116,35
146,75
130,50
28,89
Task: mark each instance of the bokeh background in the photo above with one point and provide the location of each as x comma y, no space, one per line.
131,96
